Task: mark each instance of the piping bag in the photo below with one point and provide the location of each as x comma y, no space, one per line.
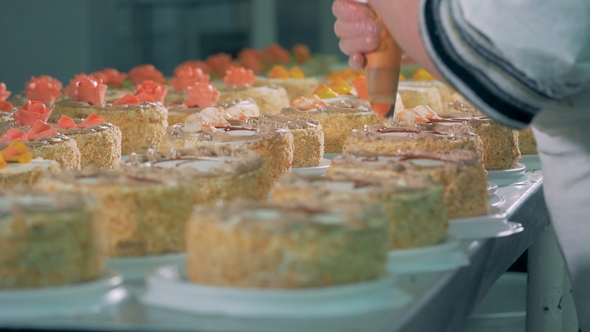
382,72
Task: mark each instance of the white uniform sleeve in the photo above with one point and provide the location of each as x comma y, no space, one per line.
510,58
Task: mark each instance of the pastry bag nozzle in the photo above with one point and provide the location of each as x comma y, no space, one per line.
382,72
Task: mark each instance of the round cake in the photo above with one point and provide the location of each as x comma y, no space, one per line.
460,172
147,201
337,119
269,245
143,125
179,113
308,138
293,80
48,240
432,138
526,141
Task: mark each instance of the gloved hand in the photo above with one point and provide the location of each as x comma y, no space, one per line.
357,29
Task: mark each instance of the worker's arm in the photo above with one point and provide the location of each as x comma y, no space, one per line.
508,57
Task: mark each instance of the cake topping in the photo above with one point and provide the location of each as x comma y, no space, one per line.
422,75
127,99
301,52
143,73
16,152
6,106
274,53
407,159
145,98
40,129
195,64
202,94
340,86
418,114
360,85
323,91
239,77
308,103
4,94
219,63
65,122
72,90
31,112
234,113
251,59
278,72
43,88
110,77
14,135
186,77
90,91
156,91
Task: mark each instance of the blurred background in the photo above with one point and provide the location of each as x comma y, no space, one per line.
61,38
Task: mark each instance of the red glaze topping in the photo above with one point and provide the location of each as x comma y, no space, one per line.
252,59
219,63
202,95
156,91
65,122
239,77
144,98
4,94
110,76
193,64
32,112
14,135
90,91
40,129
92,120
44,88
143,73
6,106
301,52
72,90
274,54
188,76
127,99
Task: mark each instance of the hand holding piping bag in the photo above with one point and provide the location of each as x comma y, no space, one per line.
382,70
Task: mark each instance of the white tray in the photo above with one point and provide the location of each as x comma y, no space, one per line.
508,176
168,288
315,170
331,156
68,300
440,257
496,200
136,268
491,226
492,188
531,161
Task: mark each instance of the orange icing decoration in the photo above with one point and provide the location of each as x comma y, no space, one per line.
251,59
360,84
92,120
4,94
6,106
402,78
156,91
40,129
422,75
301,52
278,72
14,135
142,73
219,63
3,163
340,86
72,90
296,72
239,76
127,99
188,76
65,122
91,91
43,88
276,54
323,91
17,152
31,112
308,103
192,64
144,98
202,95
110,76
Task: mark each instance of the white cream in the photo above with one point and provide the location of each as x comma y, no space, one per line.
426,162
241,132
328,218
13,168
249,108
201,165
